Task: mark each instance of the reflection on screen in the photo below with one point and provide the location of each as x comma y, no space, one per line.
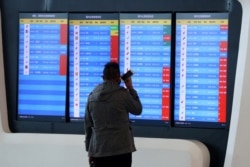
201,69
42,66
93,42
145,49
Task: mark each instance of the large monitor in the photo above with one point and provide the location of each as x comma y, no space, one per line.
201,69
93,41
145,48
42,73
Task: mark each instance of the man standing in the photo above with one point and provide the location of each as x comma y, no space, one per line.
108,134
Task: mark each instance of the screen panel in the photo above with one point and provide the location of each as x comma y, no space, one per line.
93,42
201,69
145,48
42,66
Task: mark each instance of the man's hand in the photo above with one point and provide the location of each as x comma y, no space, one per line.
128,83
91,161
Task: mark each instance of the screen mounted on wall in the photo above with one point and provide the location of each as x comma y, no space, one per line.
42,66
93,42
201,69
140,42
145,48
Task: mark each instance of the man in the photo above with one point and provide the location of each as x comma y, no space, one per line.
108,134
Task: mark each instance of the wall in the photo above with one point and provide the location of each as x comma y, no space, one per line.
29,150
214,139
238,154
15,149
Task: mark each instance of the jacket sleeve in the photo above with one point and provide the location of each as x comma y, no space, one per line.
134,105
87,126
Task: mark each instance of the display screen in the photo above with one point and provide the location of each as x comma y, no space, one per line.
145,48
140,42
42,66
93,42
201,69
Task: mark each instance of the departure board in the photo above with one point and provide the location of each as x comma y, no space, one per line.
145,48
93,42
201,69
42,66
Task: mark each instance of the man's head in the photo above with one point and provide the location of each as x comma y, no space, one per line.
111,72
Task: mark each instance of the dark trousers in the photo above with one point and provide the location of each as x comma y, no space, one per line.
123,160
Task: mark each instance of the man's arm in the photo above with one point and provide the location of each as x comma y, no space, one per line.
134,105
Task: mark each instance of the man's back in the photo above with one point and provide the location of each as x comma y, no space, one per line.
108,106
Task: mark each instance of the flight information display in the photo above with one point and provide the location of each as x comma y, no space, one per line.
201,69
93,42
145,48
42,65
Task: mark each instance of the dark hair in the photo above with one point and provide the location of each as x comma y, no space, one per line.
111,71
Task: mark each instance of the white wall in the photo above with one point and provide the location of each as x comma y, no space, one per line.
29,150
238,150
40,150
57,150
